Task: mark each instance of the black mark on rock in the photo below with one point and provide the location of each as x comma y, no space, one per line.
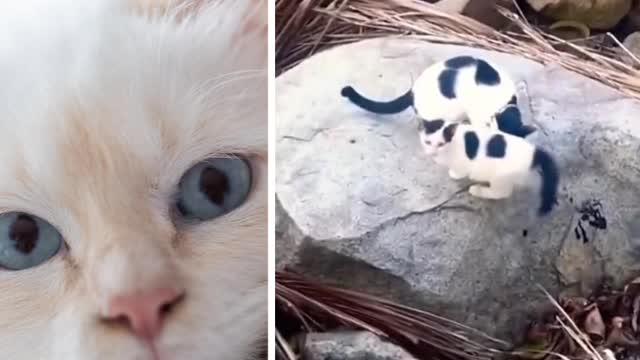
591,213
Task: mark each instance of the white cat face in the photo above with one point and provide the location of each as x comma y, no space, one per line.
126,232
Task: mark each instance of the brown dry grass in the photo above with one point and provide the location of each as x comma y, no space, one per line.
304,305
304,27
320,307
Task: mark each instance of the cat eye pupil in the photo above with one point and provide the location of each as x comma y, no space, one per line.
213,188
215,184
24,232
26,241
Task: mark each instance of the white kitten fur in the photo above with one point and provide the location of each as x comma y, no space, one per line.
476,102
103,107
513,169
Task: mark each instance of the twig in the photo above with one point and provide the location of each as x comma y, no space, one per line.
624,48
284,347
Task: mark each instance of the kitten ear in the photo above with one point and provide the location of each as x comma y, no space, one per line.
449,131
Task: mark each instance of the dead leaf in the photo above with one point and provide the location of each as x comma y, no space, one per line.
574,305
594,325
609,305
617,335
617,322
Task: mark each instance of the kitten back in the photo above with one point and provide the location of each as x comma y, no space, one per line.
394,106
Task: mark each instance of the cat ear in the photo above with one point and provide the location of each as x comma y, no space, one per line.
181,7
449,131
254,16
248,28
254,24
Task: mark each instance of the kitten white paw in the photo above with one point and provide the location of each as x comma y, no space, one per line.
489,192
454,175
477,190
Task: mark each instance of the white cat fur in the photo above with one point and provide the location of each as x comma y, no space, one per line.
103,107
476,102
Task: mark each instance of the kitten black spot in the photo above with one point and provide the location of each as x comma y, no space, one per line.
497,146
486,74
449,131
471,144
459,62
447,83
432,126
513,100
525,233
352,141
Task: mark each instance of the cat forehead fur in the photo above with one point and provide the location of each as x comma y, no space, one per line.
103,107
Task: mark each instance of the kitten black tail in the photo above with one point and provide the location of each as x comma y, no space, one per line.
544,162
379,107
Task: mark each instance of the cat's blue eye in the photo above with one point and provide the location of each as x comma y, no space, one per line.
213,188
26,241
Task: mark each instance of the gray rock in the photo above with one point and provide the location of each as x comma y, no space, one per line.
352,346
632,44
362,206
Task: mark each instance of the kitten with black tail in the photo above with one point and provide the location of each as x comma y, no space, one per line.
456,89
482,154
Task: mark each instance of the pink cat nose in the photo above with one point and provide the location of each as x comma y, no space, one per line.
144,311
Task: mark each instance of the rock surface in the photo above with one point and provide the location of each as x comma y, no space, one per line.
360,205
352,346
632,44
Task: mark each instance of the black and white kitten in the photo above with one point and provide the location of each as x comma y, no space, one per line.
457,89
486,155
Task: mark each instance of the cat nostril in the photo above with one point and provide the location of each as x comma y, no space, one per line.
166,308
144,312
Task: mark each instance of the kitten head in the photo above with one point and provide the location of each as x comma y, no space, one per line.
133,196
435,135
